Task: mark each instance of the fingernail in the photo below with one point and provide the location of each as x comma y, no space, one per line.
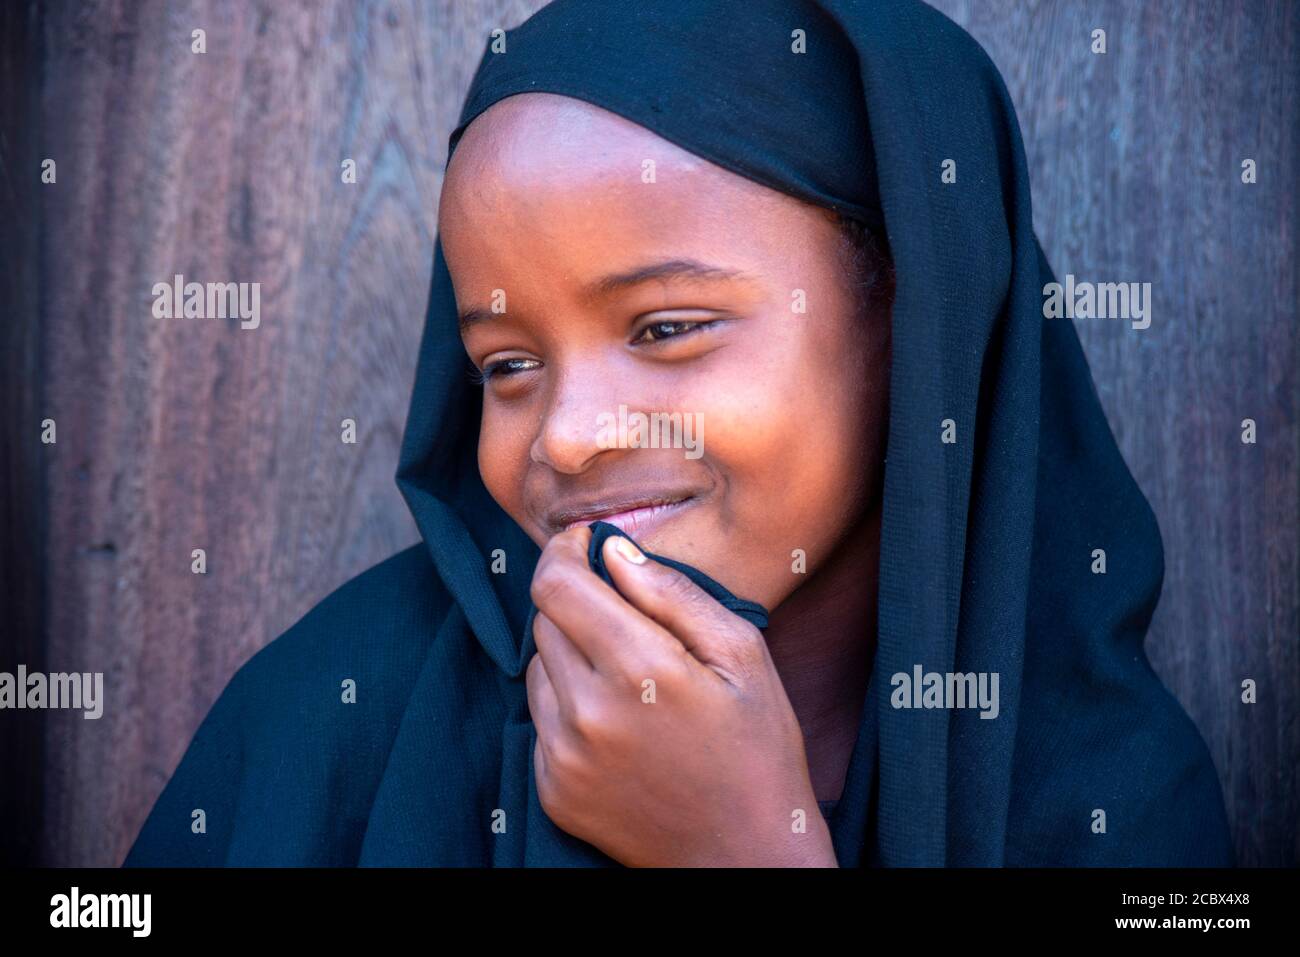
628,550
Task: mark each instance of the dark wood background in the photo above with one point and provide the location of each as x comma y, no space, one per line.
175,436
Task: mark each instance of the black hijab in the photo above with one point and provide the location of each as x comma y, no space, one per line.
986,543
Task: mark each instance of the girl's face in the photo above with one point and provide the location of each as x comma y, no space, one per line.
601,271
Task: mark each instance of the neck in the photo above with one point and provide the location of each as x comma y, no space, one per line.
822,640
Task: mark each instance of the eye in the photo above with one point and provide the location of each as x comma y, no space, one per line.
503,367
657,331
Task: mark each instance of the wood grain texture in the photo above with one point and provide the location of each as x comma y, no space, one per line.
225,166
183,434
22,507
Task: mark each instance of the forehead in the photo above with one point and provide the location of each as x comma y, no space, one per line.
510,137
546,193
539,155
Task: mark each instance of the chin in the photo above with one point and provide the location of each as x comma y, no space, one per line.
696,543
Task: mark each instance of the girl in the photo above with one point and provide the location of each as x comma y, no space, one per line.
861,627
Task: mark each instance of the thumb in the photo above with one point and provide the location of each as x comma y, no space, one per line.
711,632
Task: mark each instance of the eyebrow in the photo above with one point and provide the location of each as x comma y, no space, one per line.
669,270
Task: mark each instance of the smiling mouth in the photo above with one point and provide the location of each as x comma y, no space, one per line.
635,519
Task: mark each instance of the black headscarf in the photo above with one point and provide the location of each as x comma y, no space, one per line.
987,543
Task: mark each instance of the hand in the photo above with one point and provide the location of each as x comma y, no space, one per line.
664,734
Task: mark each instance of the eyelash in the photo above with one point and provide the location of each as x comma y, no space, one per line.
490,371
695,324
493,369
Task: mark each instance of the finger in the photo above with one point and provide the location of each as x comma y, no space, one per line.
566,666
710,631
605,628
543,704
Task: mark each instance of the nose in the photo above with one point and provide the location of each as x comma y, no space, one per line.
571,436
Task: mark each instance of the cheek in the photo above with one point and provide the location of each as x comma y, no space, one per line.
503,457
792,426
838,451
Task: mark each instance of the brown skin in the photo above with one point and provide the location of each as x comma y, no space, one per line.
544,197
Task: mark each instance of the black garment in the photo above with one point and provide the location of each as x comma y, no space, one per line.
986,543
751,611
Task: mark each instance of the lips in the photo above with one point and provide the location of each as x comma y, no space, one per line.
634,516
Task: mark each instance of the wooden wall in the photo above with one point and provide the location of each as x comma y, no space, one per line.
226,166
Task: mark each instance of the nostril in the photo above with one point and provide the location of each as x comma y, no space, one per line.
574,426
566,445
